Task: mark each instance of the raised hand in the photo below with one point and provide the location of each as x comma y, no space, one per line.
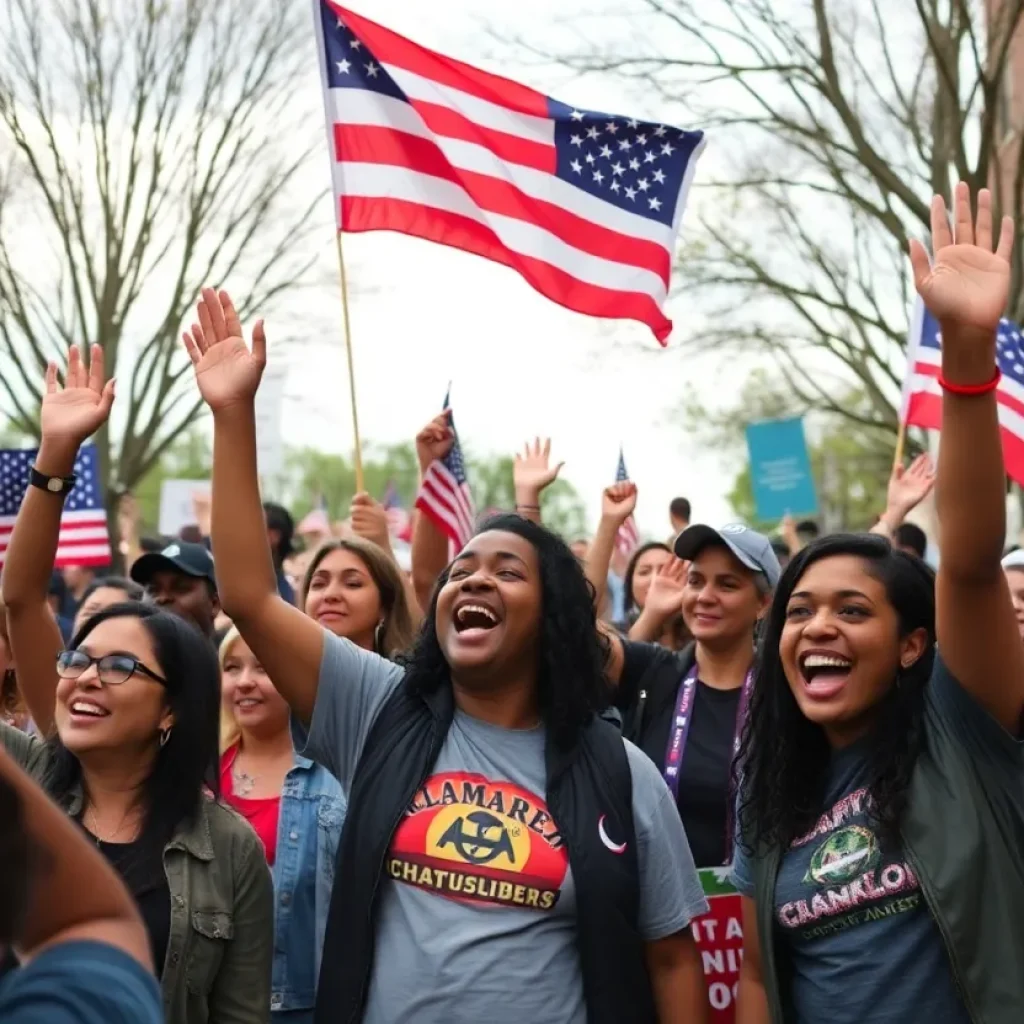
369,520
532,470
618,501
909,487
665,596
226,371
435,440
966,284
78,409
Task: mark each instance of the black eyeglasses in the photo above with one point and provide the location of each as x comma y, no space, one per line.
112,669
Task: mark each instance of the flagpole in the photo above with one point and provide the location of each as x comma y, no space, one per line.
901,437
358,448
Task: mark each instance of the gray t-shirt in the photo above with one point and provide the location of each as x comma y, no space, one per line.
850,918
477,906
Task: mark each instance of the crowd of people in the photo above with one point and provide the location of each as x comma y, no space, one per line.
243,786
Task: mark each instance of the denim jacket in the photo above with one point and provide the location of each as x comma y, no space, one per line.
309,828
219,949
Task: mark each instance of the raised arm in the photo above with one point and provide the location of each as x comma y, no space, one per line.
72,893
69,415
288,644
369,520
907,489
429,545
966,290
617,505
532,473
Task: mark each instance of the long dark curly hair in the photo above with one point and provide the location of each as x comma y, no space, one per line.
571,681
782,766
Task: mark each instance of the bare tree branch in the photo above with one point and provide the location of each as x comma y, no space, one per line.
832,122
151,148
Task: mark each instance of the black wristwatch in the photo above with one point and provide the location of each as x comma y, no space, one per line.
53,484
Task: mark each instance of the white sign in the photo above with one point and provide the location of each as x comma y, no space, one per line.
176,504
269,408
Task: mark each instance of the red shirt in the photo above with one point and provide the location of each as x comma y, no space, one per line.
262,814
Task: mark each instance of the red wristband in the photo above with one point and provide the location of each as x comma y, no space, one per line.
971,390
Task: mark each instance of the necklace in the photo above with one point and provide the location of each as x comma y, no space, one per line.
244,783
113,835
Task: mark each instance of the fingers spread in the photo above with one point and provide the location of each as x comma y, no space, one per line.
232,325
941,233
97,377
205,322
983,224
919,263
259,341
52,387
218,328
963,231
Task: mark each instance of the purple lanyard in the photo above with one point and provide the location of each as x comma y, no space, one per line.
680,733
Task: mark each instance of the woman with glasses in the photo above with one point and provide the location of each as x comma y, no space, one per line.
130,719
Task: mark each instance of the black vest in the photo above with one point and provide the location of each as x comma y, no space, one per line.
584,784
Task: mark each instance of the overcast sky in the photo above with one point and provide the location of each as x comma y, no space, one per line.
520,365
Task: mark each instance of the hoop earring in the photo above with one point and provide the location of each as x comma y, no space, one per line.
165,735
378,636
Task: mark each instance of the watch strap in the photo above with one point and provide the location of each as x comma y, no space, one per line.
51,484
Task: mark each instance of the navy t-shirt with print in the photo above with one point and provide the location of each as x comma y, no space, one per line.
856,938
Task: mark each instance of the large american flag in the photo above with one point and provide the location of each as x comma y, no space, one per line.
444,496
584,205
84,539
628,537
922,396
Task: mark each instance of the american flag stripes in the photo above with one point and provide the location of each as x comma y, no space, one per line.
628,537
399,520
922,396
584,205
444,496
84,539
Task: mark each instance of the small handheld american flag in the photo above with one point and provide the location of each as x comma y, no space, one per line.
444,496
628,537
922,396
584,205
399,520
84,539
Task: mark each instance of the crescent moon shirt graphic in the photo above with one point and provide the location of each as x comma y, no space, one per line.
476,840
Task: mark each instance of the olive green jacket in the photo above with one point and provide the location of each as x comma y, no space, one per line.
220,948
963,832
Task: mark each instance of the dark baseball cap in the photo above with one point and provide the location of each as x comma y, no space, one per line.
753,549
179,556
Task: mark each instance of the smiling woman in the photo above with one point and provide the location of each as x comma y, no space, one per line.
500,836
129,717
882,807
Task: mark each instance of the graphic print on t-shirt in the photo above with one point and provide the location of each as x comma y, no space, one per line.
468,838
849,880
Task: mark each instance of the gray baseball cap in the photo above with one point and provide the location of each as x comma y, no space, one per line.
753,549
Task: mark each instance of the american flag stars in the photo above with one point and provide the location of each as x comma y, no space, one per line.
634,165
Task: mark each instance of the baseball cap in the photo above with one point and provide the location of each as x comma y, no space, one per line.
1014,560
180,556
753,549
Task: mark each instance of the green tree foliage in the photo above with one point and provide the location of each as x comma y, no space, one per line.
311,475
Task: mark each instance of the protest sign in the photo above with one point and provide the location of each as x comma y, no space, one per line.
780,470
176,504
719,936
